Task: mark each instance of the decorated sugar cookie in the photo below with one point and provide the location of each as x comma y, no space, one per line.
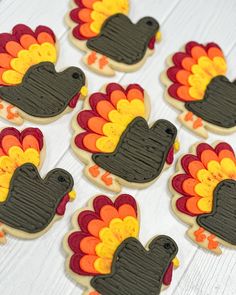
31,88
113,139
105,255
109,38
204,190
29,205
196,85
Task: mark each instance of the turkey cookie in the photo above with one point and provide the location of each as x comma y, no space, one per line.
31,88
105,255
111,41
204,191
196,85
113,139
29,205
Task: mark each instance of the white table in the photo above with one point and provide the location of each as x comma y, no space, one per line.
37,267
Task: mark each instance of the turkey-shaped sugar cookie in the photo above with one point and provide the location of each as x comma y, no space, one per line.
111,41
105,255
29,205
196,84
113,139
205,194
31,88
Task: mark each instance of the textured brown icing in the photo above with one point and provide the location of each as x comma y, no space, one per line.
136,271
43,92
123,41
141,152
222,220
219,103
32,201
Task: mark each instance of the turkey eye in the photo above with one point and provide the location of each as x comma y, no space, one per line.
75,75
169,131
149,23
61,179
167,246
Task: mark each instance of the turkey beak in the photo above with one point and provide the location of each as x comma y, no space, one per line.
84,91
72,195
176,262
158,36
176,145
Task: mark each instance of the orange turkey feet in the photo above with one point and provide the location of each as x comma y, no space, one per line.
2,235
94,293
193,122
94,170
201,237
10,113
212,245
98,62
106,177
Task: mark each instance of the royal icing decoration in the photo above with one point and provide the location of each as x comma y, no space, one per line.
205,194
31,87
28,203
196,84
111,41
114,140
105,255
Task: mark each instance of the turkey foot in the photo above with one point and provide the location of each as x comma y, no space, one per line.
98,62
207,239
199,236
94,170
212,245
189,120
106,176
10,113
3,239
106,179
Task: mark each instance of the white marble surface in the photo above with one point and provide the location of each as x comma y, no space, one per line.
37,267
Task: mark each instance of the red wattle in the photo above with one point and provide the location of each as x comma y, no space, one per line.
151,44
74,100
61,208
168,275
170,156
